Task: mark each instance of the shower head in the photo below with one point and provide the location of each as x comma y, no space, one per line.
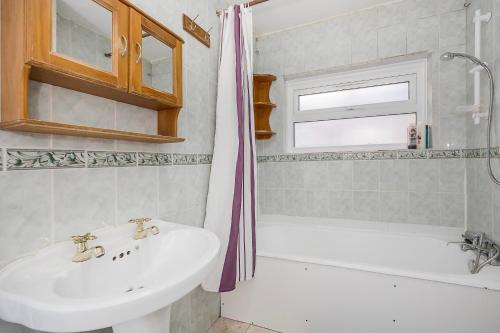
448,56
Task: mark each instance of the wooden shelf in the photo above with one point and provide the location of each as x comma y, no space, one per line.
46,127
49,74
263,105
264,77
264,135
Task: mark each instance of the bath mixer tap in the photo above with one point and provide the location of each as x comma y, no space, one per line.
83,252
140,231
486,250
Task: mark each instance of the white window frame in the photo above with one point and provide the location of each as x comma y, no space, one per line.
412,71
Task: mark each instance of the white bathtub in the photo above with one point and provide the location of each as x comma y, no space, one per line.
357,277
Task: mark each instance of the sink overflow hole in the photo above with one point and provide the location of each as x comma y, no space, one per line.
122,255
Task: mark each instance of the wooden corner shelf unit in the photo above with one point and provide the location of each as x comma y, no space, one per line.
262,105
28,53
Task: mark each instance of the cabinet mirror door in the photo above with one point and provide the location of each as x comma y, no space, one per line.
86,38
83,30
157,63
155,60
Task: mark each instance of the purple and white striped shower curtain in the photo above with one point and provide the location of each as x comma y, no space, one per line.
231,203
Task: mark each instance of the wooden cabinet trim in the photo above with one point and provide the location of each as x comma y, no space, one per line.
152,19
135,37
14,71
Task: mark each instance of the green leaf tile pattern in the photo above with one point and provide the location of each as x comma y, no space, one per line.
25,159
44,159
98,159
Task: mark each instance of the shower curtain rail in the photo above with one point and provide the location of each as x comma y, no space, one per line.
248,4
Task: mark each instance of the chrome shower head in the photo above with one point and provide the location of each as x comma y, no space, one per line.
448,56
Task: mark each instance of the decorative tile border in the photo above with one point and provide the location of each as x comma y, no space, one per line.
185,159
385,155
164,159
473,153
102,159
382,155
148,159
25,159
204,159
21,159
411,154
453,153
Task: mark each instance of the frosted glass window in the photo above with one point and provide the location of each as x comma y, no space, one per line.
388,130
396,92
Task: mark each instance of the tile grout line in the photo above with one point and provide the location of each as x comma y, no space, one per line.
115,194
4,159
51,114
157,192
52,208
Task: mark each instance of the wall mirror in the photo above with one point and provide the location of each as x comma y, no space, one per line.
157,66
83,30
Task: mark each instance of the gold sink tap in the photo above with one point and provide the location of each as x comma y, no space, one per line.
140,231
83,252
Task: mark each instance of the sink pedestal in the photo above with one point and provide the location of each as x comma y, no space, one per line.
156,322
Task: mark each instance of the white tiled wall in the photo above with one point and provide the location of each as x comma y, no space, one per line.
44,206
366,37
406,191
483,209
401,191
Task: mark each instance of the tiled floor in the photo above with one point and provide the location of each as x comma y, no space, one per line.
224,325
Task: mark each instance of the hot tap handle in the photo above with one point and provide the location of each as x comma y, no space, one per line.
140,220
78,239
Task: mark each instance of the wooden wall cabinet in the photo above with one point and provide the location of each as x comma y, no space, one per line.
36,46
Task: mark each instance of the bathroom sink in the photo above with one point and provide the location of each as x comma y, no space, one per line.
130,288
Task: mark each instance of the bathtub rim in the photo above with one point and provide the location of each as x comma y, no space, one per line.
488,278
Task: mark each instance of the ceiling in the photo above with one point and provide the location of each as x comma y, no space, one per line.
276,15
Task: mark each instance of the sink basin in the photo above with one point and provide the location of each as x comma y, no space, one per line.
130,288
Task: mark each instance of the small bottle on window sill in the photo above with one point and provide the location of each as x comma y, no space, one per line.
412,137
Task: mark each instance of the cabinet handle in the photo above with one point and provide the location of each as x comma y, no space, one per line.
125,46
139,56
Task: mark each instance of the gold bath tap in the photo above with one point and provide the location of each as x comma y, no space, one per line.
83,252
140,232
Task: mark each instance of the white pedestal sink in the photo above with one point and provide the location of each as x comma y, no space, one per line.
130,288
